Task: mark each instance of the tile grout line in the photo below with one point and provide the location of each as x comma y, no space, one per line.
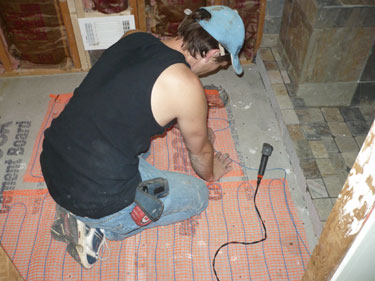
346,115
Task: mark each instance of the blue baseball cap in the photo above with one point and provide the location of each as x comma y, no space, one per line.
226,26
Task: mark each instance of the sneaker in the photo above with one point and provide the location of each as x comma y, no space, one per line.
89,245
85,244
64,228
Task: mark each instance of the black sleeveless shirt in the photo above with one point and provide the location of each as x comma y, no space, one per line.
90,152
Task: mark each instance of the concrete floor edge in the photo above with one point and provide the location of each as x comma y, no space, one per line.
293,158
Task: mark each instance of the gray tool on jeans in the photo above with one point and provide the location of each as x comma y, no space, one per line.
148,194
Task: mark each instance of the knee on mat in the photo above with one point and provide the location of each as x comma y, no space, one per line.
195,192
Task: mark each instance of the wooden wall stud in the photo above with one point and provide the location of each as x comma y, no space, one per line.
4,57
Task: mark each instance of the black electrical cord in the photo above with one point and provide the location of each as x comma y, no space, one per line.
243,243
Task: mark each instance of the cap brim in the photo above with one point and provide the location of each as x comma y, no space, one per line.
236,64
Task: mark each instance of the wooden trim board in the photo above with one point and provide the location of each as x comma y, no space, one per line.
70,33
76,11
8,272
140,13
38,71
4,56
65,67
262,15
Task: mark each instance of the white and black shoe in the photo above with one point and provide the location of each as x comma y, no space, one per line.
85,244
89,246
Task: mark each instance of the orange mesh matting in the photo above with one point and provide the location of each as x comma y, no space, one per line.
167,152
183,251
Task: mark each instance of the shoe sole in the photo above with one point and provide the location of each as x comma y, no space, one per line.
58,229
66,228
74,252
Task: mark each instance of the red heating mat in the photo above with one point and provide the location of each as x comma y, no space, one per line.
167,152
183,251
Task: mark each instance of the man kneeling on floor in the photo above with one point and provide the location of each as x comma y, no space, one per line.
93,158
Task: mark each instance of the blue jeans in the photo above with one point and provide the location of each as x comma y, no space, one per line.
188,196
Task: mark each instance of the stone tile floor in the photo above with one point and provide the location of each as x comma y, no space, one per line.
326,139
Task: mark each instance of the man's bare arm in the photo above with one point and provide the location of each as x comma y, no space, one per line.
192,122
178,94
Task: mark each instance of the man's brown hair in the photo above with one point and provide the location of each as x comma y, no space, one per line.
197,40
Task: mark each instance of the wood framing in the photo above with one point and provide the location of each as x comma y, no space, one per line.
137,8
70,33
4,57
71,11
23,70
262,15
38,71
7,269
132,4
61,27
141,12
76,11
79,58
348,215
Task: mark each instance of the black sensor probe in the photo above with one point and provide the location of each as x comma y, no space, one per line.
266,152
